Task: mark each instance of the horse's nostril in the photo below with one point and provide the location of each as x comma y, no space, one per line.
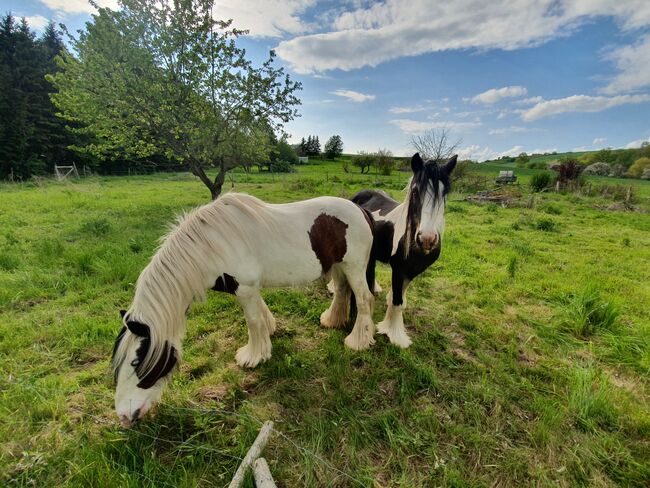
136,416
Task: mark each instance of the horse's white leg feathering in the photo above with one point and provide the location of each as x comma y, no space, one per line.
393,323
258,348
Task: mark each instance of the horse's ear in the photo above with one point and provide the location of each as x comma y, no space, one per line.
416,163
451,164
122,313
138,328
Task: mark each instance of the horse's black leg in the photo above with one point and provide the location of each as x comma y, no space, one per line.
397,285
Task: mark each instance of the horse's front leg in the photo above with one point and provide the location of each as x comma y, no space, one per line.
260,327
393,323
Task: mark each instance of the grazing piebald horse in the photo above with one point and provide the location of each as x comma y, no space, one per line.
239,244
408,235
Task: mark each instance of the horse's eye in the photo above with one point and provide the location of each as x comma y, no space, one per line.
135,362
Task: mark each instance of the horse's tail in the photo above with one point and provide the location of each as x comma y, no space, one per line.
370,268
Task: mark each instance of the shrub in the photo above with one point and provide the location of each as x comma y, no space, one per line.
646,174
546,225
281,167
384,161
587,313
600,169
616,170
639,166
541,181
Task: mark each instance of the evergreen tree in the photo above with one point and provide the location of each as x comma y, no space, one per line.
32,139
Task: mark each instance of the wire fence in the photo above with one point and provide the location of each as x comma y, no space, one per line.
181,444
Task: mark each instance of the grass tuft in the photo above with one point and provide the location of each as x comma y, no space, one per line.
587,313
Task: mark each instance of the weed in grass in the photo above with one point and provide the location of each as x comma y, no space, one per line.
456,209
626,241
546,225
303,184
587,313
8,262
512,266
551,209
96,227
492,207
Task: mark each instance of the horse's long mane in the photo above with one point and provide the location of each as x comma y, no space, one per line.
194,248
428,178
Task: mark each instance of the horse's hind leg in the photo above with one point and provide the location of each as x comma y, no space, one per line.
257,316
337,314
361,336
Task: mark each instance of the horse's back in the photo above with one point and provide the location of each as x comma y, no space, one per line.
375,201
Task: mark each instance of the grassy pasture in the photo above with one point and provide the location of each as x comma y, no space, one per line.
529,364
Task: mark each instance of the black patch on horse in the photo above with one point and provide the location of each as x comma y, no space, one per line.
226,284
375,201
327,237
163,366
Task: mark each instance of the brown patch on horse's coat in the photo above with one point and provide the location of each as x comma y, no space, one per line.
226,284
327,237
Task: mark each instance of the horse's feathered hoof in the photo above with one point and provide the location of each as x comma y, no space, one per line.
396,334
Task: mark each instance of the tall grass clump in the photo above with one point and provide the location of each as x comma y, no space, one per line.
590,398
587,313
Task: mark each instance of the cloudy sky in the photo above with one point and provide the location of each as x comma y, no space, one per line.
506,76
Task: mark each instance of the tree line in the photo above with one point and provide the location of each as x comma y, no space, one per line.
32,138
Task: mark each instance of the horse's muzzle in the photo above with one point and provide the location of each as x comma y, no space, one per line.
427,242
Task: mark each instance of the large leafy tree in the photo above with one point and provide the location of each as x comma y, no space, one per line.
334,147
164,76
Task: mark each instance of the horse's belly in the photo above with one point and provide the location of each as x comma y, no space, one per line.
290,267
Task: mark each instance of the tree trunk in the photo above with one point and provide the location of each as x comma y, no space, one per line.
214,186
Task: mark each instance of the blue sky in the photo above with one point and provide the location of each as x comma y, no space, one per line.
504,76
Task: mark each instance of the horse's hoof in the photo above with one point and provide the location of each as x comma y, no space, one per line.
396,335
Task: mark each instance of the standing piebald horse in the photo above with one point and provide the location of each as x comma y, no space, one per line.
408,235
239,244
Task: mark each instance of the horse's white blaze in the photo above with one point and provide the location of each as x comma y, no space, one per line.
129,398
258,244
432,218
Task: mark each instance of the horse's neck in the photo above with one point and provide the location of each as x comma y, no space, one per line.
398,217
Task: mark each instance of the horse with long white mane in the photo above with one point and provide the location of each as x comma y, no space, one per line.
408,235
240,244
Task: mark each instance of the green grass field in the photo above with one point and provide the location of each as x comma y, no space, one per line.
529,364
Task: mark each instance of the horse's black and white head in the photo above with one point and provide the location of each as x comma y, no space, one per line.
142,366
427,196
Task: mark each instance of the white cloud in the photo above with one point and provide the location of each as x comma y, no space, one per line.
580,149
353,96
377,32
543,151
78,6
265,18
637,143
409,126
599,141
513,151
409,110
633,64
36,21
579,103
496,94
529,101
510,130
476,153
